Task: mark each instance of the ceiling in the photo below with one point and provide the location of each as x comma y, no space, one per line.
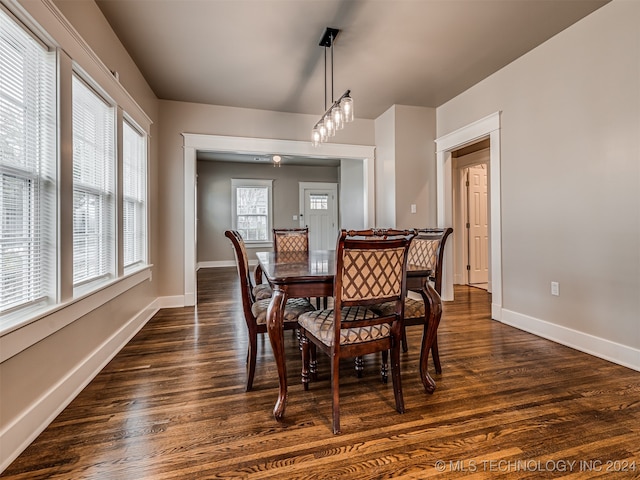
265,54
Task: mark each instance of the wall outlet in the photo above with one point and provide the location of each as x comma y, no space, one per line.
413,208
555,288
295,217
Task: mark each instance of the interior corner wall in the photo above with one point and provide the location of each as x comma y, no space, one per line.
385,169
570,182
415,166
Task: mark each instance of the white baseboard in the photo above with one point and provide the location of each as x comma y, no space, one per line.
174,301
18,435
598,347
216,264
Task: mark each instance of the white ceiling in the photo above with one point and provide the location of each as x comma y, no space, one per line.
264,54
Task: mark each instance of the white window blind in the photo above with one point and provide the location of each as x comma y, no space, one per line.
251,203
27,167
134,192
93,184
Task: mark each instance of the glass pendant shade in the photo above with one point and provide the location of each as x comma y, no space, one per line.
338,118
315,137
323,132
347,108
328,123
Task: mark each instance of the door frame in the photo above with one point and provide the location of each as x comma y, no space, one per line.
193,142
487,127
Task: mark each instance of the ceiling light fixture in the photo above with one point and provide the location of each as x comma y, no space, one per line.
341,110
276,160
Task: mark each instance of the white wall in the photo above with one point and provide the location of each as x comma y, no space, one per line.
385,166
570,180
352,207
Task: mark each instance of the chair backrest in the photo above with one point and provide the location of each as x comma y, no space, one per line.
371,267
291,239
242,262
427,250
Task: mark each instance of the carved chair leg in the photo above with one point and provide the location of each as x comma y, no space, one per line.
251,360
384,368
335,390
395,375
436,356
405,347
359,364
304,341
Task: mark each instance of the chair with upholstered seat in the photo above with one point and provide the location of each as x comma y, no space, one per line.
426,252
255,311
370,269
284,240
291,239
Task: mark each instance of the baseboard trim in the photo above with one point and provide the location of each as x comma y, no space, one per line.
598,347
18,435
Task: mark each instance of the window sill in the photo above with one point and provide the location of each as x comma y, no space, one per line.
20,330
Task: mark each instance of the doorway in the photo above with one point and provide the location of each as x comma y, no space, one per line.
471,214
484,128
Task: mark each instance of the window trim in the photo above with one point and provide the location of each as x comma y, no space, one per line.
248,182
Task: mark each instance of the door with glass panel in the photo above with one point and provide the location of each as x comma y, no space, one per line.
319,211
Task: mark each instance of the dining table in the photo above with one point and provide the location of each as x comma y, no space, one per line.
305,274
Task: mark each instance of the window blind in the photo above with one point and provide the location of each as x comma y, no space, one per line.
134,193
93,184
27,167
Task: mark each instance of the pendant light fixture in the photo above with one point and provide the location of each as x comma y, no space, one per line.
341,110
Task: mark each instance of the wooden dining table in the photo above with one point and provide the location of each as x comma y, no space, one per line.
312,274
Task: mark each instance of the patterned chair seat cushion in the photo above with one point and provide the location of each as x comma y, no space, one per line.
293,309
262,291
412,308
320,324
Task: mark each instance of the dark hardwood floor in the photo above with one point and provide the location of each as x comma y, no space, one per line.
172,405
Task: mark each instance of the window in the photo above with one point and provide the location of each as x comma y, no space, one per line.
93,184
319,201
134,192
251,206
27,168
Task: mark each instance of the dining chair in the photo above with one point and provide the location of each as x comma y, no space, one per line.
291,239
426,252
370,269
284,240
255,311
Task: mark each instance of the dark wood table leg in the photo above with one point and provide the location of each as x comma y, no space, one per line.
276,337
433,312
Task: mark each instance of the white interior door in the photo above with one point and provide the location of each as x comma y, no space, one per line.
318,202
477,224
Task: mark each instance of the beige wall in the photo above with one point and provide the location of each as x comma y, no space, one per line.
570,164
214,200
406,167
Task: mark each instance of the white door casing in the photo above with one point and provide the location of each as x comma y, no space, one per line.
488,126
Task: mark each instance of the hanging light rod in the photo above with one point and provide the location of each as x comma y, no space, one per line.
341,110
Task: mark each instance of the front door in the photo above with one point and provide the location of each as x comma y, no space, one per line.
318,202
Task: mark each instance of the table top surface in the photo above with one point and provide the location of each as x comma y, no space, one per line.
312,266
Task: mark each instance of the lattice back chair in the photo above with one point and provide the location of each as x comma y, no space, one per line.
255,311
291,239
370,269
426,252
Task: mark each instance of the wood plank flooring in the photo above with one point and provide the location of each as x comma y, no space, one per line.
172,405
